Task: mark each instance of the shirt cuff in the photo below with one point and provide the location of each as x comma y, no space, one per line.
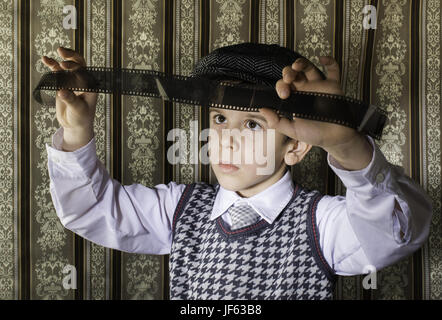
378,177
85,156
374,173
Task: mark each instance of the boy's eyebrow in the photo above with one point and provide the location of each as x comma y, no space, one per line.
255,115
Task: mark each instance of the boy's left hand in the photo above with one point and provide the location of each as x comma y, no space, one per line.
333,138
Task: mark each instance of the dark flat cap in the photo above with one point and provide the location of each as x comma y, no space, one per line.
255,63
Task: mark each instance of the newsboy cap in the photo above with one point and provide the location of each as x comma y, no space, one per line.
255,63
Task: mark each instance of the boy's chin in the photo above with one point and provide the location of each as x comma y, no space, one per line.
230,182
237,183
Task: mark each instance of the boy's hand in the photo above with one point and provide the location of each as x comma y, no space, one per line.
303,76
340,141
75,110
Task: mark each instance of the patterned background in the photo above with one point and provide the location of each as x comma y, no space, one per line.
397,66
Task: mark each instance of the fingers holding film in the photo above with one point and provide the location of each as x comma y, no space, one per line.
291,81
69,54
332,68
305,66
51,63
70,65
283,89
288,74
280,124
73,61
71,58
54,65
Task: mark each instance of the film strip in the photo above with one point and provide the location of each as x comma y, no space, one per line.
202,91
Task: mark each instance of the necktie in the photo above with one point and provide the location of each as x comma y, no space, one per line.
242,215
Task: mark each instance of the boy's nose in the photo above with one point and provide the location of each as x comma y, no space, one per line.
226,141
229,139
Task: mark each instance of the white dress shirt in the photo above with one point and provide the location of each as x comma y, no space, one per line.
384,216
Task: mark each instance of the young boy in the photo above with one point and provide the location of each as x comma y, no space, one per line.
251,236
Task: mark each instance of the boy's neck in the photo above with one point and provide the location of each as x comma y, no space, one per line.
257,188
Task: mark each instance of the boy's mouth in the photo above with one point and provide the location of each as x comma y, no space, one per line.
227,167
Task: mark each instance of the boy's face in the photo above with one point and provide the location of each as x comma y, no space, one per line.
257,152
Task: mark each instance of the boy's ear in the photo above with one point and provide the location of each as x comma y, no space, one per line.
295,151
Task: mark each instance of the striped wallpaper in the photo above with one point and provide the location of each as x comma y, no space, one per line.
396,66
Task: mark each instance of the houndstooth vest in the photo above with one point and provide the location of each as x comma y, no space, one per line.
282,260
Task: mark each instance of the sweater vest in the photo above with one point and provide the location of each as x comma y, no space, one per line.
282,260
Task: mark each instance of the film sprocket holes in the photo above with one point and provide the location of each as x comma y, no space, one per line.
203,91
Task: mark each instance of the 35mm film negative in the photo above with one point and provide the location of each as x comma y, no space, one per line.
202,91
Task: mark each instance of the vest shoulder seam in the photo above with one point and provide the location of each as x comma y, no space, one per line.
313,233
188,190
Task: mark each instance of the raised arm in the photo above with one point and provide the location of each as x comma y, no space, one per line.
130,218
384,217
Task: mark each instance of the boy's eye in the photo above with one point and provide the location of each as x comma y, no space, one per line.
250,124
253,125
220,117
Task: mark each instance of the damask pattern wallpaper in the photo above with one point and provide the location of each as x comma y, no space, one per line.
396,66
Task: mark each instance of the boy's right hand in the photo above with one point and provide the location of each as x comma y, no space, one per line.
75,110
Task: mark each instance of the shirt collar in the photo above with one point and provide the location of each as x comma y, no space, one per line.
264,202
